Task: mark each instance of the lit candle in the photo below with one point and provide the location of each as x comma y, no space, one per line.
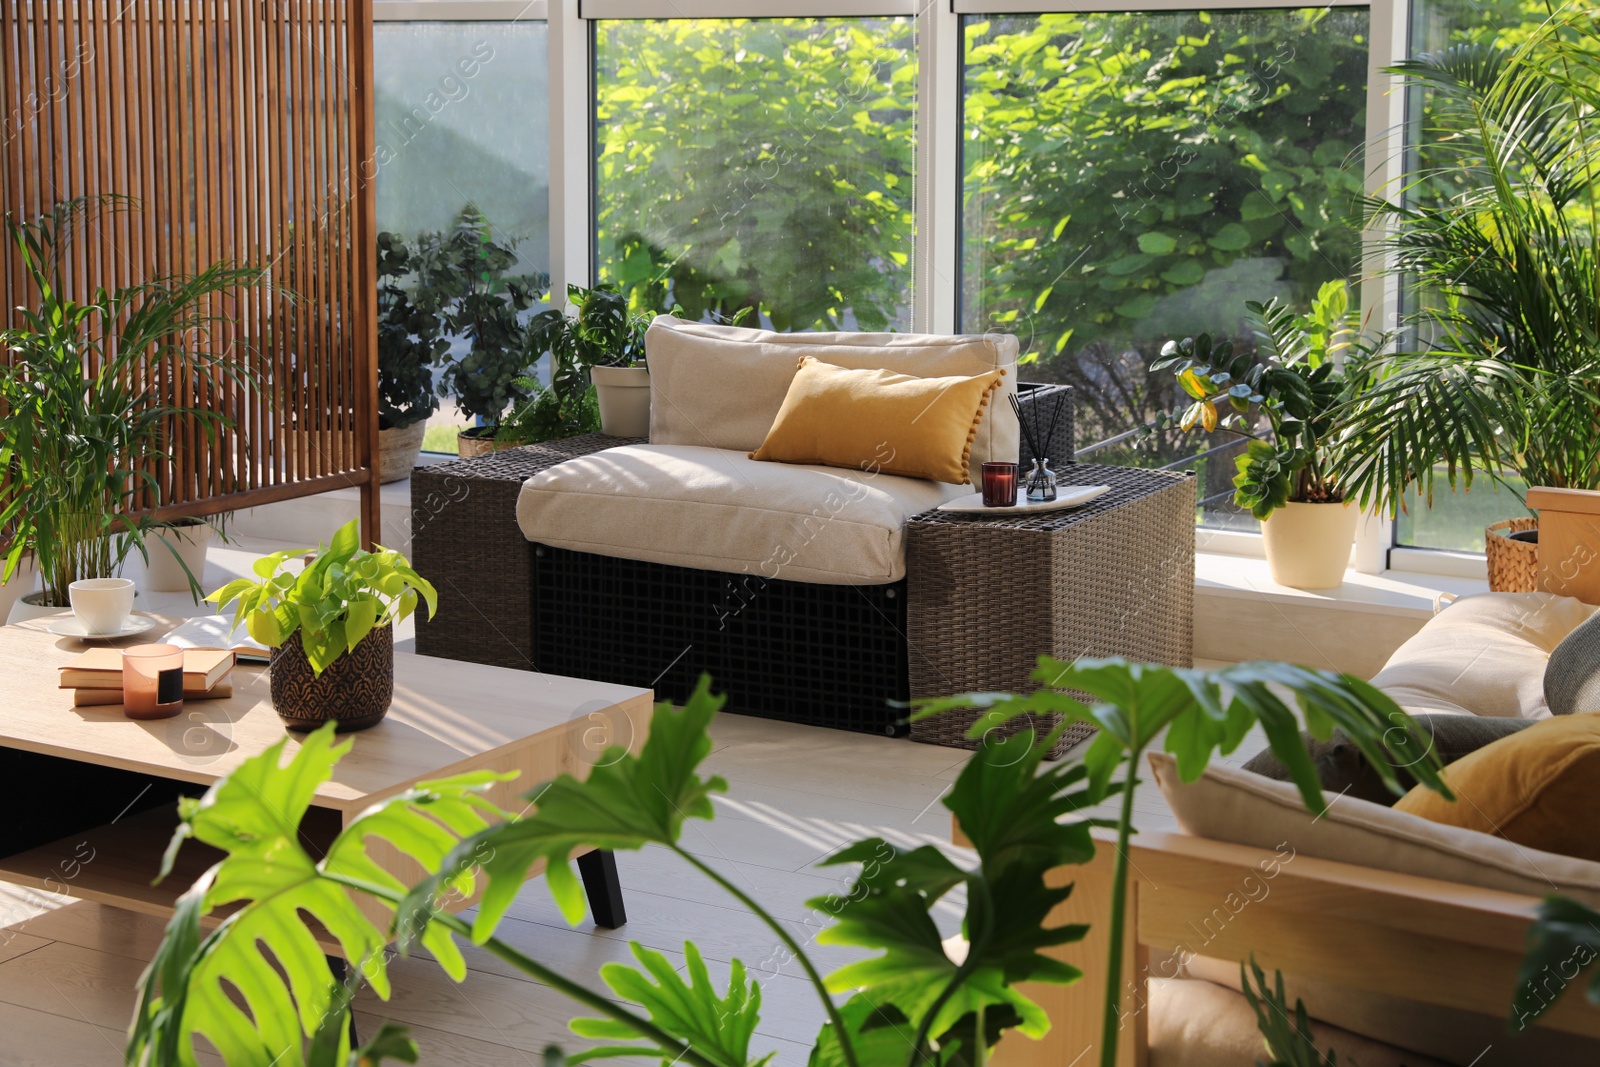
999,484
152,681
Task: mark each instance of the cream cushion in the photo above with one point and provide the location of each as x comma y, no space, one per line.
1236,806
1197,1023
722,386
1483,655
717,509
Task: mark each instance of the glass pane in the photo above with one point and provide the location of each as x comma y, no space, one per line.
1456,520
1132,178
463,117
765,164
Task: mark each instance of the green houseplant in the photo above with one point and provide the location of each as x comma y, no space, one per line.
1283,398
409,345
330,627
912,1005
86,400
600,335
1496,225
462,278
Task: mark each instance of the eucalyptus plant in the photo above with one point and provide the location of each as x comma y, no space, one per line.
410,341
257,986
1283,397
89,391
1496,227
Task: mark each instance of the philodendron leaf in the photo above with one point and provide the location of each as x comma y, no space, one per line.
1562,944
259,985
1012,812
719,1027
627,802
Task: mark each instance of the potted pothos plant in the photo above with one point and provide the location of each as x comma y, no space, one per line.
603,335
330,626
1283,397
86,404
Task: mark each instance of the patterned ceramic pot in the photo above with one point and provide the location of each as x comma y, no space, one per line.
353,692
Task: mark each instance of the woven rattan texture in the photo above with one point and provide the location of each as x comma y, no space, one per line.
465,539
827,655
989,595
1050,407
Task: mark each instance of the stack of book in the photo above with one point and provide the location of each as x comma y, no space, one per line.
95,677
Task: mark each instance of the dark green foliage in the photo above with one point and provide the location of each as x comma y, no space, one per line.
1288,1034
409,342
1563,944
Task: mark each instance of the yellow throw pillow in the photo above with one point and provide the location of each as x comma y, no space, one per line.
876,420
1539,787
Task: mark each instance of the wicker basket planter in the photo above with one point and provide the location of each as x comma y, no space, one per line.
354,692
398,449
1513,564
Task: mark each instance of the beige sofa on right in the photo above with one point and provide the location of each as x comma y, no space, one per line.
1402,935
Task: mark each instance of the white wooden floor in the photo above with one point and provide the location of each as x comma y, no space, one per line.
68,968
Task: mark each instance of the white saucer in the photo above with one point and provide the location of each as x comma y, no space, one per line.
1067,496
71,627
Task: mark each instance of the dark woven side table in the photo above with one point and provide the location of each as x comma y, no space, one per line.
988,596
464,537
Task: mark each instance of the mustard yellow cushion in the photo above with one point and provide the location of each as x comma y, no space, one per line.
1539,788
879,420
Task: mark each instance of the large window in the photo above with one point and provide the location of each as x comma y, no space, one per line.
1456,520
1131,178
463,118
763,164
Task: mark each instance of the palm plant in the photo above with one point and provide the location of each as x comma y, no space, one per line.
88,393
1496,228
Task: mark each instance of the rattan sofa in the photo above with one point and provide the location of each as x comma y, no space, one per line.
828,655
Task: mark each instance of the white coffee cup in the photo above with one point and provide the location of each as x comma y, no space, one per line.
101,605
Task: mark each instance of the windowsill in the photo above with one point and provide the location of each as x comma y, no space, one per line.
1389,593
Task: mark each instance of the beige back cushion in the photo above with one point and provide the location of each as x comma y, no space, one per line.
722,386
1483,655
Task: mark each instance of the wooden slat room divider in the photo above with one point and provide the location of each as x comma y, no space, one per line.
243,131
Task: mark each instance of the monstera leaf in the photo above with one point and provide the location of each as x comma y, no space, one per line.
285,896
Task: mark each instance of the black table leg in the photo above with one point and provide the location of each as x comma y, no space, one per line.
341,974
599,872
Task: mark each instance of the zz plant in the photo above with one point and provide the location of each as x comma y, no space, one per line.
258,988
335,601
1283,397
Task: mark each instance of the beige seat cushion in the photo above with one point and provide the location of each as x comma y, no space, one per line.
722,386
1197,1023
1227,804
1483,655
717,509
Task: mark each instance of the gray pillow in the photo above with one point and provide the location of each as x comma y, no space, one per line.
1572,676
1342,768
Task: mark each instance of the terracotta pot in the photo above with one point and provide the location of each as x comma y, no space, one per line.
1308,545
624,396
353,692
472,446
20,585
166,546
398,450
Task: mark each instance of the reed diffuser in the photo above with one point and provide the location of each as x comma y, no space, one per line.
1040,483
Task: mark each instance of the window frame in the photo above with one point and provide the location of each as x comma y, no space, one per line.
939,124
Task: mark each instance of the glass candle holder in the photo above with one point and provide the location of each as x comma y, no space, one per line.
152,681
999,484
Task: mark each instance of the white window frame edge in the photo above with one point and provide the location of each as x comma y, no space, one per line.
460,10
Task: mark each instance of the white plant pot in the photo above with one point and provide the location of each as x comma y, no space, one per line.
26,609
164,574
624,396
21,584
1308,545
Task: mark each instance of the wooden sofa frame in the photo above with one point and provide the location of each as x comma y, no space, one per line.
1418,938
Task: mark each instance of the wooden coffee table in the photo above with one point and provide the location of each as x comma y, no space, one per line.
89,793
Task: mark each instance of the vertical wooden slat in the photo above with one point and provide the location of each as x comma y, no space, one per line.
240,128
